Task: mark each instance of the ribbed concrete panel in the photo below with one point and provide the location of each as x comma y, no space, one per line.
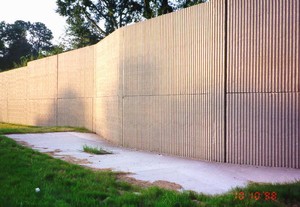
17,111
173,125
75,112
263,83
3,111
42,112
17,95
107,65
108,118
17,83
108,86
171,54
263,46
174,74
264,129
76,73
42,78
3,86
3,97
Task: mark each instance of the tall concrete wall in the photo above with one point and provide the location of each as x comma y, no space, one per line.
173,97
219,82
75,88
108,88
17,104
3,97
42,92
263,76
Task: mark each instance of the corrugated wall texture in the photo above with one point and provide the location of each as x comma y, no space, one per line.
42,78
76,73
3,111
263,46
42,92
263,100
264,129
173,68
17,107
3,86
108,84
3,97
76,88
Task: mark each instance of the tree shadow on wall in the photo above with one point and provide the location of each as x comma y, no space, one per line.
69,109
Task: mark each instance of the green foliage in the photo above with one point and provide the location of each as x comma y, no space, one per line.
154,8
91,20
61,184
25,59
39,37
21,42
188,3
95,150
6,128
2,42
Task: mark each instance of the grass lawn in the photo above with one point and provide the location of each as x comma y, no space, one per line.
23,129
22,170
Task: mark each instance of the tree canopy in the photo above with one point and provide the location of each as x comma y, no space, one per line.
22,40
91,20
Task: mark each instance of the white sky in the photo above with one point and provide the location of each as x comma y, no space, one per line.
33,11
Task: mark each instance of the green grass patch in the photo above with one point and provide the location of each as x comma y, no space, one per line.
6,128
63,184
95,150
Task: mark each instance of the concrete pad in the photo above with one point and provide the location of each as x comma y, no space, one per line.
199,176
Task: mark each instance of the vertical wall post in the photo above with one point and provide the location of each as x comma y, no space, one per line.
225,79
56,121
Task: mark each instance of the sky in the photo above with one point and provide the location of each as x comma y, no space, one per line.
34,11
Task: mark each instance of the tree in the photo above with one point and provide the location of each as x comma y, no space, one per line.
14,32
22,40
39,36
188,3
153,8
91,20
18,49
15,45
2,43
2,46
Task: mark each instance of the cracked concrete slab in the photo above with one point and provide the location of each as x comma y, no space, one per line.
199,176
